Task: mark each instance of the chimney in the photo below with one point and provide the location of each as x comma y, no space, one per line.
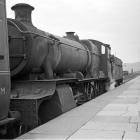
23,12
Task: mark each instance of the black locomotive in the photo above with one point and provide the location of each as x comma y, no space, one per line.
49,74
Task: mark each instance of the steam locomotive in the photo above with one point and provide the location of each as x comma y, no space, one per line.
44,75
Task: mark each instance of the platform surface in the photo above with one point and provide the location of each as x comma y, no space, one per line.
114,115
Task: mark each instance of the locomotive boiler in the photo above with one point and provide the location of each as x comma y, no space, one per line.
50,74
31,50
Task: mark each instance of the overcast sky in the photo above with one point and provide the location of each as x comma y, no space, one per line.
116,22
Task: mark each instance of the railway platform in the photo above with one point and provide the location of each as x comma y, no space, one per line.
114,115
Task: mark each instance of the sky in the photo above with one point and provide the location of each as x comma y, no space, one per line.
115,22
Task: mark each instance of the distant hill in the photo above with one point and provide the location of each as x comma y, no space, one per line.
131,66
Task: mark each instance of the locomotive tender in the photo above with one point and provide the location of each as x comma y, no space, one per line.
49,74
